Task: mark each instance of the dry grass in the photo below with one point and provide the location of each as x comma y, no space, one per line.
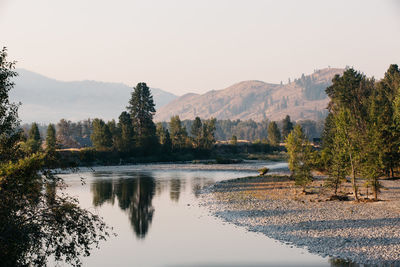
282,188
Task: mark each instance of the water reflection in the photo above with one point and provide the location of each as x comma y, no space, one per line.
134,196
175,189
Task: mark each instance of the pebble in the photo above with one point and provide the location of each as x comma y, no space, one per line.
369,234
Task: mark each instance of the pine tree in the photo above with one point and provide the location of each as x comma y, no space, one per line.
196,131
385,94
51,141
338,159
274,135
287,126
34,140
178,133
300,157
350,95
141,109
101,136
126,138
208,135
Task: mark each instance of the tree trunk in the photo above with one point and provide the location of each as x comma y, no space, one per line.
353,183
353,178
375,188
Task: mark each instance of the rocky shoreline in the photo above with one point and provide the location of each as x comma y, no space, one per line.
363,233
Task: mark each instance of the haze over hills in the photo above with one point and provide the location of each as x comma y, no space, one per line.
303,98
48,100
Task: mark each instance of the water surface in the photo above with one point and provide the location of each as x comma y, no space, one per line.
155,213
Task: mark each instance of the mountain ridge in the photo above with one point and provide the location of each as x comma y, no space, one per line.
48,100
304,98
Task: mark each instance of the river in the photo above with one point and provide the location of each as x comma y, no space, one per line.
154,211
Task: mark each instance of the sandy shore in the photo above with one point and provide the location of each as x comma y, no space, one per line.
365,233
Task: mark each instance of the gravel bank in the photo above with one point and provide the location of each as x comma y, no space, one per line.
365,233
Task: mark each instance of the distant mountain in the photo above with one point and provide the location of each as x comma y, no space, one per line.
48,100
304,98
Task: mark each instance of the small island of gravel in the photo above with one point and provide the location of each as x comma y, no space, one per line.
361,232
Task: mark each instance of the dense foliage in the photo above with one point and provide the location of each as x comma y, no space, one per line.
361,135
36,222
300,157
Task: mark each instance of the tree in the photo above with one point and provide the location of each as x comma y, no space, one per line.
163,138
167,145
196,131
350,97
287,126
337,157
34,140
126,142
234,140
114,132
65,134
36,223
274,135
178,133
8,111
101,136
208,136
384,96
141,109
300,157
51,141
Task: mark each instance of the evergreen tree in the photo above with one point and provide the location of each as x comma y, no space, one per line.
115,134
51,141
336,157
101,136
274,135
196,131
350,97
300,157
126,141
141,109
385,94
208,135
167,145
287,126
34,140
178,133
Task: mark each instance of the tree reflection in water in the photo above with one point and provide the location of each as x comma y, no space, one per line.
134,195
175,189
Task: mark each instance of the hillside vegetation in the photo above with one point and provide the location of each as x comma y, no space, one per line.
304,98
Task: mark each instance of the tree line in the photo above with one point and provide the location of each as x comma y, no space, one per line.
361,137
78,134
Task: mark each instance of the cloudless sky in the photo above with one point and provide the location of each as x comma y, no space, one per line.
195,46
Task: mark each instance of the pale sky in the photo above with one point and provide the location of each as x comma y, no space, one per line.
195,46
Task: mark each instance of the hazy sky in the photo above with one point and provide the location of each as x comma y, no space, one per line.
196,46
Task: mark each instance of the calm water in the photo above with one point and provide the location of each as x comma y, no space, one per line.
154,211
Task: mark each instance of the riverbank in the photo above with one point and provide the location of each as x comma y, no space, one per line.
365,233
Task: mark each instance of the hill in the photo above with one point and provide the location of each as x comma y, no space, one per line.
48,100
304,98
